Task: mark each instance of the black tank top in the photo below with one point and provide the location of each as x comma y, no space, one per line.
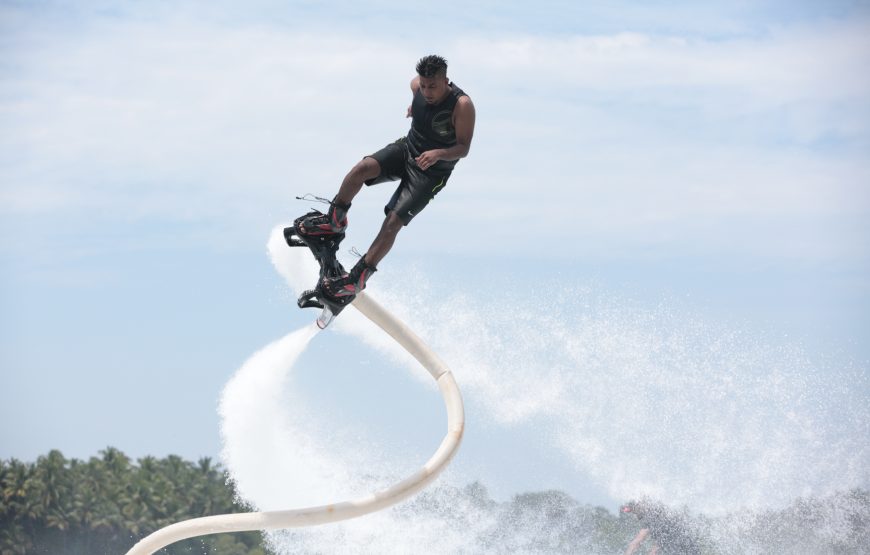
432,126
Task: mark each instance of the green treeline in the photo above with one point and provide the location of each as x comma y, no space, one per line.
60,506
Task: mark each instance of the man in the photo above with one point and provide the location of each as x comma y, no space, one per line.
669,534
442,126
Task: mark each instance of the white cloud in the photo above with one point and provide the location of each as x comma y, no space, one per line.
621,136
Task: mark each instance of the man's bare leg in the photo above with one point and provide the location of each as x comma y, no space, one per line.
385,239
365,169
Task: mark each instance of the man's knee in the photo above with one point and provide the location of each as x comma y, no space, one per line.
365,169
393,224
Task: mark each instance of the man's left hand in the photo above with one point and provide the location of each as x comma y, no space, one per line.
428,158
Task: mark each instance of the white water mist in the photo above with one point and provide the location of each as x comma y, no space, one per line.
641,401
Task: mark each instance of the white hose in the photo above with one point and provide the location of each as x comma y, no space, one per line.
295,518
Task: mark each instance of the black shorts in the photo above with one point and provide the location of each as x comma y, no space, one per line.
416,187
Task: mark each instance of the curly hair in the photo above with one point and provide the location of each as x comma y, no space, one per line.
431,66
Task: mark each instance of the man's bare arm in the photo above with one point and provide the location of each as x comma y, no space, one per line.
635,543
463,121
415,84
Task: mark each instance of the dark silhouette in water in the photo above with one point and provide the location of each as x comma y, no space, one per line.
666,529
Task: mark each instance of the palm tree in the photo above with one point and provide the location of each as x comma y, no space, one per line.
15,538
105,504
51,492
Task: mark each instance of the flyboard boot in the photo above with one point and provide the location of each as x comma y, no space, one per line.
335,292
318,224
322,233
345,288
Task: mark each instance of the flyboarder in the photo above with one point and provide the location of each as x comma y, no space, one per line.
442,125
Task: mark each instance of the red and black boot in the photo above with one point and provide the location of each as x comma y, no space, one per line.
318,224
343,289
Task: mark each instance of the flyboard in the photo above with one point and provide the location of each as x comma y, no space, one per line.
323,514
324,249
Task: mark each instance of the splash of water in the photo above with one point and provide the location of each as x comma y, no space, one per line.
271,435
643,401
655,402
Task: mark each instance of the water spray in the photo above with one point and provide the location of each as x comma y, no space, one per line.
323,514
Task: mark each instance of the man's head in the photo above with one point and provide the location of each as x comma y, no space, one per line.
434,84
432,66
634,508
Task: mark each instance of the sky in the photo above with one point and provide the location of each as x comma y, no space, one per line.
676,186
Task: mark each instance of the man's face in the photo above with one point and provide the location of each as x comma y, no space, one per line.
631,510
434,89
